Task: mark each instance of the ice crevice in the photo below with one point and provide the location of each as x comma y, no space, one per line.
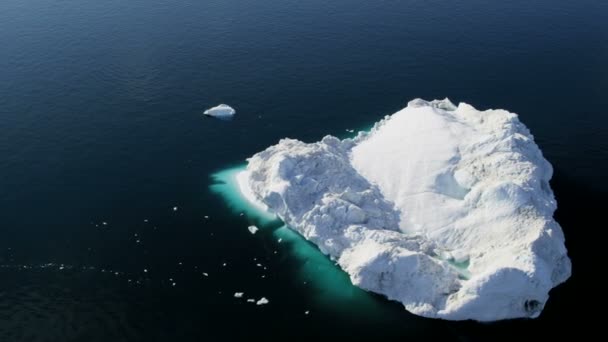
444,208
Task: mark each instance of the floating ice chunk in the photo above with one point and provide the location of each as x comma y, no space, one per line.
253,229
175,208
262,301
205,274
443,208
250,300
238,294
221,110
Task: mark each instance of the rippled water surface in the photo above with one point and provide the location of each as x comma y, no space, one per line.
112,225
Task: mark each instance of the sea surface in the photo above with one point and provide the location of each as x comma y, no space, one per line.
116,221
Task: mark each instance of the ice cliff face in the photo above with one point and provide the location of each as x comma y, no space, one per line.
445,209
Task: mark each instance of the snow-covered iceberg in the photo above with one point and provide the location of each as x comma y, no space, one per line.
221,110
445,209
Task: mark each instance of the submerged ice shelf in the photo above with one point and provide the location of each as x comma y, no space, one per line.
445,209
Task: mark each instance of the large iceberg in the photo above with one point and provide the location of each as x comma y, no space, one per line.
445,209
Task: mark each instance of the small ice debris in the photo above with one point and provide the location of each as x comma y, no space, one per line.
173,284
174,208
224,264
146,220
253,229
279,240
116,273
221,110
145,270
137,241
104,223
206,217
250,300
238,294
306,312
61,268
262,301
179,263
258,265
205,274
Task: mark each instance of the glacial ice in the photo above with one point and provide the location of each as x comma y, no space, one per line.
443,208
221,110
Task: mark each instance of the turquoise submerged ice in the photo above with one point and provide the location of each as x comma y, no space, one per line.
445,209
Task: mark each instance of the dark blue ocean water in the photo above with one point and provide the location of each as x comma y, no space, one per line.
100,121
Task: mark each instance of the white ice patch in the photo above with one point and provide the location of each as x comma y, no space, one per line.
262,301
238,295
445,209
221,110
252,229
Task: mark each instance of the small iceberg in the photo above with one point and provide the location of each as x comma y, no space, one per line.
220,111
252,229
262,301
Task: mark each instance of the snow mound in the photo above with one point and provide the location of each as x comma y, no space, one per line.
221,110
443,208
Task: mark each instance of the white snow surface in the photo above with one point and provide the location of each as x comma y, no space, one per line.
221,110
444,208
